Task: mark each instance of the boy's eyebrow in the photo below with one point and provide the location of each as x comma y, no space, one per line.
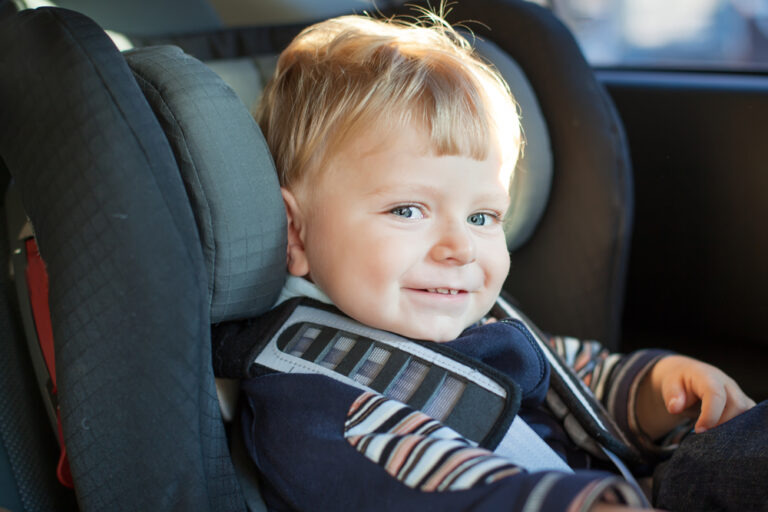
399,188
405,189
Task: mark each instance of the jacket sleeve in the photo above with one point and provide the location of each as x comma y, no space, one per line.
322,445
613,378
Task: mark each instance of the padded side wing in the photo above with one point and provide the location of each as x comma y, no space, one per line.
127,282
229,175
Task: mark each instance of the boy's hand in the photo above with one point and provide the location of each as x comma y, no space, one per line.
679,387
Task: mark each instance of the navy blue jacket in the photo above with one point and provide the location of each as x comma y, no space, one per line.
322,445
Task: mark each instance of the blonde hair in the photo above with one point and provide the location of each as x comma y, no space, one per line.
344,76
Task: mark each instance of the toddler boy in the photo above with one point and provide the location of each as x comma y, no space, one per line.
395,148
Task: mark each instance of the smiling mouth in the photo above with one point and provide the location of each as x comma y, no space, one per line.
444,291
454,299
441,291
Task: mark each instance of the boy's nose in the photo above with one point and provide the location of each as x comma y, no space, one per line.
455,246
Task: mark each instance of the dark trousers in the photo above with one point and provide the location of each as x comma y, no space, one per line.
725,468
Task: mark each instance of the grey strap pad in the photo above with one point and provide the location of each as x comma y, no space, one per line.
310,337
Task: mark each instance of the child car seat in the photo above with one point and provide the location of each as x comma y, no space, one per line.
129,290
155,207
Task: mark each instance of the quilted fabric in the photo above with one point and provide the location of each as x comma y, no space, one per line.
229,176
532,180
127,279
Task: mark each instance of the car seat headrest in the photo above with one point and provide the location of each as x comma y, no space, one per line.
229,177
532,179
533,176
232,184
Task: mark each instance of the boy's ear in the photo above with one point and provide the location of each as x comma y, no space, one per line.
296,257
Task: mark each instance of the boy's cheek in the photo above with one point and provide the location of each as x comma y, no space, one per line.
499,264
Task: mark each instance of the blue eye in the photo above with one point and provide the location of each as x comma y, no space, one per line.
479,219
407,212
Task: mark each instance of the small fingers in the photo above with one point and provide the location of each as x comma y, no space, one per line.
724,401
738,402
673,393
698,390
714,399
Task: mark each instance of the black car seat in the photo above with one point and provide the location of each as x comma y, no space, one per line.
129,297
154,204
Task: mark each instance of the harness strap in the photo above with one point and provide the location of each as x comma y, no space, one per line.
37,285
476,401
587,422
305,336
37,282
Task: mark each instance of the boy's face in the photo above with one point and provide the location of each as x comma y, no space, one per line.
402,240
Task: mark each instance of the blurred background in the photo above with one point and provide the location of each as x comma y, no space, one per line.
698,34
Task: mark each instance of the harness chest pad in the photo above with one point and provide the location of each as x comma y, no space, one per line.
305,336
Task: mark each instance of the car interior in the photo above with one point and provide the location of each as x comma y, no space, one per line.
142,207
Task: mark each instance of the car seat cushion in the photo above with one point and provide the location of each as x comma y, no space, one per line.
127,279
229,176
532,179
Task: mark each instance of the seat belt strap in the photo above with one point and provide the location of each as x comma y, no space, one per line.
588,424
589,421
419,374
443,384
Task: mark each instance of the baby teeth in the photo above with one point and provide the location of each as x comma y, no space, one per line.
445,291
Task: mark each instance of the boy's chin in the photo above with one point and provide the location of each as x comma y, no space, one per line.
433,328
437,335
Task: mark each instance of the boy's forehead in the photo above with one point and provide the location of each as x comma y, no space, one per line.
411,141
397,151
406,162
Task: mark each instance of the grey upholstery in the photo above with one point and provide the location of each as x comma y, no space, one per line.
229,176
142,17
532,180
128,287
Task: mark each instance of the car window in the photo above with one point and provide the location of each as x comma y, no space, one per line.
682,34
